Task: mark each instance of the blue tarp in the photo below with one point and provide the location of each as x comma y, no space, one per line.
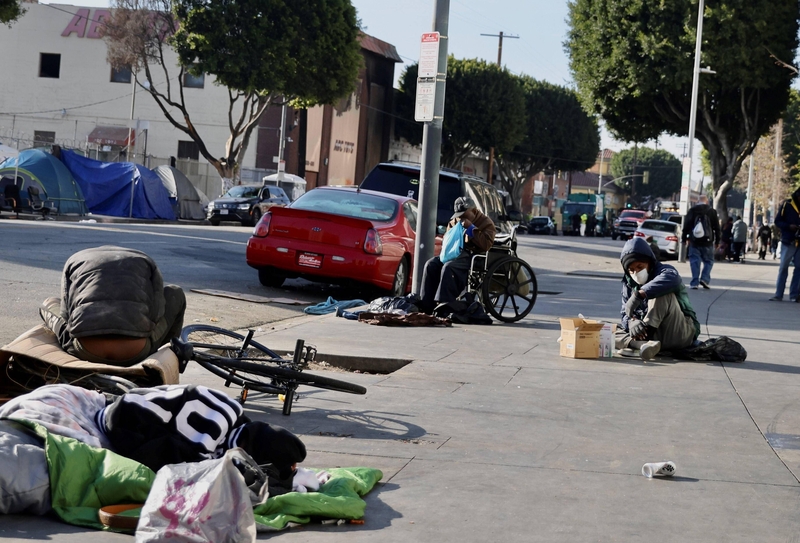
107,188
44,171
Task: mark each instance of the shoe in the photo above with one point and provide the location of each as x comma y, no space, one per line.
704,284
693,287
775,299
649,350
794,299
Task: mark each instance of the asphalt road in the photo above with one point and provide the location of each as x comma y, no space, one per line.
32,255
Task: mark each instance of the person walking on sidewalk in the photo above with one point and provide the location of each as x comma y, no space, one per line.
739,236
656,312
701,231
764,236
788,220
776,238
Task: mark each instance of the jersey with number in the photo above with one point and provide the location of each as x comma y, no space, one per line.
170,424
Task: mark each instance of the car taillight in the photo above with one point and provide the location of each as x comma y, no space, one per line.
639,234
262,228
372,243
672,238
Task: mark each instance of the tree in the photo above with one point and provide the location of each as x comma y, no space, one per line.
633,64
10,11
484,107
664,172
791,137
559,135
304,51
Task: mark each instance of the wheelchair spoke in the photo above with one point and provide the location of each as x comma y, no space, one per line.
505,301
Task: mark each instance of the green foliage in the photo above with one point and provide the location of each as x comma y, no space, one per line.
791,136
664,168
484,107
633,63
10,11
559,134
305,49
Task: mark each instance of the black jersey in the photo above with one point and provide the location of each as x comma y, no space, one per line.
170,424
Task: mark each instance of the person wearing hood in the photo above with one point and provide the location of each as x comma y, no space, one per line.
656,312
788,220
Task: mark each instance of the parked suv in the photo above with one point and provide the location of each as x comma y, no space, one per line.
627,223
403,179
245,204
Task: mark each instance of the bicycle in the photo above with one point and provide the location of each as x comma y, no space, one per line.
246,363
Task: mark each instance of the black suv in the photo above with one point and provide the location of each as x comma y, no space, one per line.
403,179
245,204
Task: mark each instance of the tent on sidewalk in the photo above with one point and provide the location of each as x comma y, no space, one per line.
188,200
40,169
113,188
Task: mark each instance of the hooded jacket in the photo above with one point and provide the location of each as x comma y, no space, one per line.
663,280
690,219
739,231
788,215
483,235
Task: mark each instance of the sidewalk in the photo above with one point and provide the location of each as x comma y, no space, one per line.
488,434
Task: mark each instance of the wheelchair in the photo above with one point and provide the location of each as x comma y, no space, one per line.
504,283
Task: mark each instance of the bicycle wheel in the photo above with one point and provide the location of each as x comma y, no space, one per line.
509,289
258,368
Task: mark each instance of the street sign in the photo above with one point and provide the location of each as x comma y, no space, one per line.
426,77
281,165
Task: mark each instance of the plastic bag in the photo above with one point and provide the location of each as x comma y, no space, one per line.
398,304
452,243
200,502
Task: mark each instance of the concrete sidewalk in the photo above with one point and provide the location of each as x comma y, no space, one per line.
489,434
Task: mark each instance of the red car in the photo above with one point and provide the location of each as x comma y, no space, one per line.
338,235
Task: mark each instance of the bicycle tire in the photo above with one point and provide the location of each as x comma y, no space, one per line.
255,368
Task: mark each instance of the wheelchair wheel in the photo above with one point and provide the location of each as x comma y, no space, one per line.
509,289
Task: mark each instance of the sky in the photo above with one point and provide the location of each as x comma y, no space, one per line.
538,51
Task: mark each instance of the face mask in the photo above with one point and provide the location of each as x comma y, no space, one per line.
640,277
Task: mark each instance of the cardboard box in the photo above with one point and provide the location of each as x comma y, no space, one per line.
580,338
607,340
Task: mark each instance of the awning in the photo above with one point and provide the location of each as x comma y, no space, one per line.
112,135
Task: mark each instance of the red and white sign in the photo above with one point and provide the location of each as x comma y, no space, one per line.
309,260
429,55
426,77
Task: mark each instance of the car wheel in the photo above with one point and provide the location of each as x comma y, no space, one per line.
400,279
256,216
214,222
269,278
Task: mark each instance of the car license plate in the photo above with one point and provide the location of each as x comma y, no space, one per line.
223,211
310,260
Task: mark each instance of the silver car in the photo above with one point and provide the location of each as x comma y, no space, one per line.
664,233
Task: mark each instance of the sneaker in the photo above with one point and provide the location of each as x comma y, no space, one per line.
704,284
776,299
693,287
649,350
794,299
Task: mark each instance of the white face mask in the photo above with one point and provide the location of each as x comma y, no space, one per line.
640,277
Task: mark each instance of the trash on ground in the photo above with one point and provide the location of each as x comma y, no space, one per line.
667,469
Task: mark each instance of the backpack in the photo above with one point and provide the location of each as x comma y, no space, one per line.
720,349
467,309
702,227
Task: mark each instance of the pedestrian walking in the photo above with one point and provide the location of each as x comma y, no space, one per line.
776,238
701,231
576,224
764,236
739,236
584,219
788,220
727,239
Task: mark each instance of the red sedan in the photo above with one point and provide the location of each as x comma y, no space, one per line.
338,235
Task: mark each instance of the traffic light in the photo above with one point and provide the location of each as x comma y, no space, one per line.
629,205
646,178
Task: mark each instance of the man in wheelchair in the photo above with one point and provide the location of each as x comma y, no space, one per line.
443,282
656,312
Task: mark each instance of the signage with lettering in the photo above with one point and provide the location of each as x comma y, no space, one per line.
82,19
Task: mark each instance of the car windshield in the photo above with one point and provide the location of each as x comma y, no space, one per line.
539,221
660,226
631,215
348,204
242,191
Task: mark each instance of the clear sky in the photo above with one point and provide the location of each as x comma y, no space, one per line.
539,52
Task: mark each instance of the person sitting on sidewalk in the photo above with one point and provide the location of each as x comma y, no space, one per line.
443,282
656,312
788,220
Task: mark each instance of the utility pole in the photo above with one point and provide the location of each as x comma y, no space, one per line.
777,177
128,148
431,152
282,143
500,37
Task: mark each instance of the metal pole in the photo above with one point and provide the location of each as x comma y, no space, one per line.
282,143
128,148
431,154
776,180
693,109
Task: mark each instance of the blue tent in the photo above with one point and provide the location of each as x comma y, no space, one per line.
47,173
107,188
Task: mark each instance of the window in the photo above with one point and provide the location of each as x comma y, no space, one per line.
348,203
43,138
49,65
194,81
188,149
120,75
410,210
